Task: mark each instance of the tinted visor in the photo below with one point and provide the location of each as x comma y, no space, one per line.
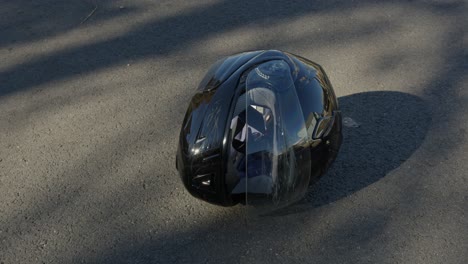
268,150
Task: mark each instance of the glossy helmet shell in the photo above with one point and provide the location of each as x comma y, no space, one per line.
203,150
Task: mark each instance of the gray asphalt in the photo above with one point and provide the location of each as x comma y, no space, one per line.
92,95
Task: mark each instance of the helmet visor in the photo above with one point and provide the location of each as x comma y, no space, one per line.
269,138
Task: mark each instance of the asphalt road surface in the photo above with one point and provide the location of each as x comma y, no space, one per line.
92,95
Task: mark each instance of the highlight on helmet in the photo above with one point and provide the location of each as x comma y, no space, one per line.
261,128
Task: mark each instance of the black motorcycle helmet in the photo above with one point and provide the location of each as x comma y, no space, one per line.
262,127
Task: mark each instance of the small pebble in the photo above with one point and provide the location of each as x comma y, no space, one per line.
349,122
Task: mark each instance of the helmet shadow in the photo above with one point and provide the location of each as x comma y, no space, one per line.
383,130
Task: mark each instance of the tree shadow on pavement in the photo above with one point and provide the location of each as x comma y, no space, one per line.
24,21
392,126
158,37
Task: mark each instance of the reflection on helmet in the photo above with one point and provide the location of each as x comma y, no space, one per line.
283,130
252,163
266,163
